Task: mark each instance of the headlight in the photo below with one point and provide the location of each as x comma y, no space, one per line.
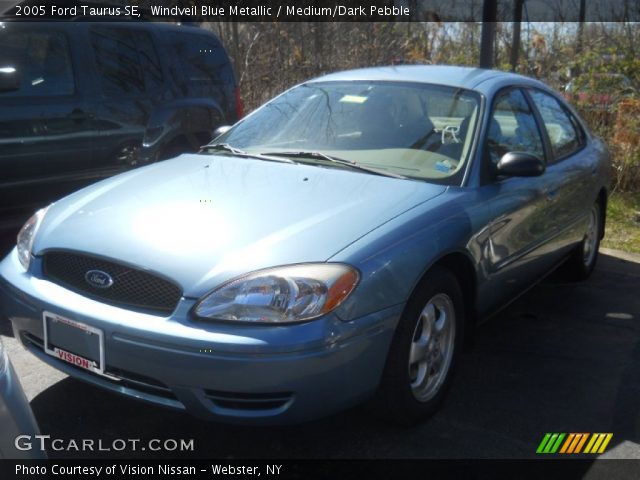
26,236
281,295
4,361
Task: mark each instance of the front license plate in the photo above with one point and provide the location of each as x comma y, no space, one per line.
74,342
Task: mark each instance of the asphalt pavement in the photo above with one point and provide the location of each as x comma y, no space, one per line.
564,357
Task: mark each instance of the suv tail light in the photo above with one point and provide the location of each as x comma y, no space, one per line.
239,105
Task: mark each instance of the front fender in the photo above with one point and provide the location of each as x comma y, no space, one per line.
394,258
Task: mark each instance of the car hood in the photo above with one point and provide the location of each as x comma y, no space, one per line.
203,219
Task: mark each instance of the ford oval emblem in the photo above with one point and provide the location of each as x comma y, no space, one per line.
98,279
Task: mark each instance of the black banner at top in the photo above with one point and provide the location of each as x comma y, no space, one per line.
324,10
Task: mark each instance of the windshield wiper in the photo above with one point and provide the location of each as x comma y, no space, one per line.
332,159
223,146
241,153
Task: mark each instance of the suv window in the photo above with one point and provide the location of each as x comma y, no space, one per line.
117,60
204,65
41,58
149,61
564,134
513,127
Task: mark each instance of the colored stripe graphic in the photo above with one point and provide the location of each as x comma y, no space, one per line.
581,443
573,443
606,441
598,442
550,443
566,445
543,443
590,444
556,445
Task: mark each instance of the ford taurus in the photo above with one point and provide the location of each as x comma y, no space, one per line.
337,245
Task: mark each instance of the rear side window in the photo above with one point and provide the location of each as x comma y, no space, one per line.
204,64
127,61
564,133
42,61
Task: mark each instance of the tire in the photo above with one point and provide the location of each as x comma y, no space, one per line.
414,384
581,264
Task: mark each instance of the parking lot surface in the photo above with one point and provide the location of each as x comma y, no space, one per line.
564,357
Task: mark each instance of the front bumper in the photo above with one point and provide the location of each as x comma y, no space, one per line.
236,373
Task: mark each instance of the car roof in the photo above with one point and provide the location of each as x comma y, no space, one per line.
454,76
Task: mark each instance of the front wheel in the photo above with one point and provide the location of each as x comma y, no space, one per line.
424,350
583,261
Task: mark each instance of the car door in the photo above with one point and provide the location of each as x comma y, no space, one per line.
570,174
519,206
129,84
45,131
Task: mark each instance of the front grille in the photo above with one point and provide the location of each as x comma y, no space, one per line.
131,288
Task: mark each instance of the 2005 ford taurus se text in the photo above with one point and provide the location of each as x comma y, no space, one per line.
336,245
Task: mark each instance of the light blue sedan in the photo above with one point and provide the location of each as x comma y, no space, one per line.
337,245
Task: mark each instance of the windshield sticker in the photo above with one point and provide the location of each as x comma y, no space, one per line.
444,166
353,99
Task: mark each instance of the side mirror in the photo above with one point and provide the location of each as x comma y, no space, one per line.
9,79
520,164
220,130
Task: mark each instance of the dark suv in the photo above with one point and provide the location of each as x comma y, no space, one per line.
81,101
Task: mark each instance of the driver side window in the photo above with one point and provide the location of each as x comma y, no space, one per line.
512,128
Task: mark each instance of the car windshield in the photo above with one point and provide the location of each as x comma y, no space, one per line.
419,131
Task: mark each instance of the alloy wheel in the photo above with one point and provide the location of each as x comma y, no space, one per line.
432,347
